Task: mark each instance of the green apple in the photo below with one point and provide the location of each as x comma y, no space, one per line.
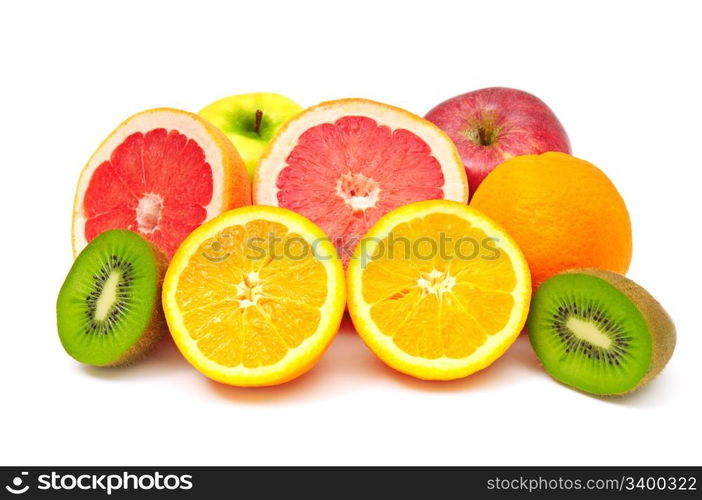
250,121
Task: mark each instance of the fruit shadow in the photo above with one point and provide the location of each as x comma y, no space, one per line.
164,360
350,366
518,360
655,394
345,366
652,395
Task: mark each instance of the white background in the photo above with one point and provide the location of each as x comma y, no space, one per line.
623,79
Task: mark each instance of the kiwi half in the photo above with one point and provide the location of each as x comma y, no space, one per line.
599,332
109,308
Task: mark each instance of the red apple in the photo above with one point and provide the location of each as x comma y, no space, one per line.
491,125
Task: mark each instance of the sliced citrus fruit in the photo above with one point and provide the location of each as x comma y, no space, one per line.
254,296
160,174
344,164
437,290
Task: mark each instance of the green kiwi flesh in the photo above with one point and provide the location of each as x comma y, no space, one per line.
109,309
599,332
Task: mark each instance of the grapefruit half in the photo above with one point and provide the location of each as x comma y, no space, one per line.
344,164
160,174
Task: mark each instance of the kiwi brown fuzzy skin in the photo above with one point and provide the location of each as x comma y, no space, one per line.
157,328
659,323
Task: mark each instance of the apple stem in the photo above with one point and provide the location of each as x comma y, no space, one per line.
483,134
259,118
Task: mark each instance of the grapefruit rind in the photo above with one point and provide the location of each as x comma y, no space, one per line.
265,190
298,360
442,368
228,170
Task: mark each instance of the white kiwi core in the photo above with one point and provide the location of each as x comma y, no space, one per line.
108,296
587,331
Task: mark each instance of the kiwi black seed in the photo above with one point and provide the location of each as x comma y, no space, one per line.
599,332
109,307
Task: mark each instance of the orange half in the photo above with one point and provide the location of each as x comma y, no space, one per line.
437,290
255,296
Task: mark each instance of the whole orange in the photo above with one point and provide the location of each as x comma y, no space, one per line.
562,211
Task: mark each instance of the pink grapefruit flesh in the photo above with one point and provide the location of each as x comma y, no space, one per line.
346,173
158,181
156,184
